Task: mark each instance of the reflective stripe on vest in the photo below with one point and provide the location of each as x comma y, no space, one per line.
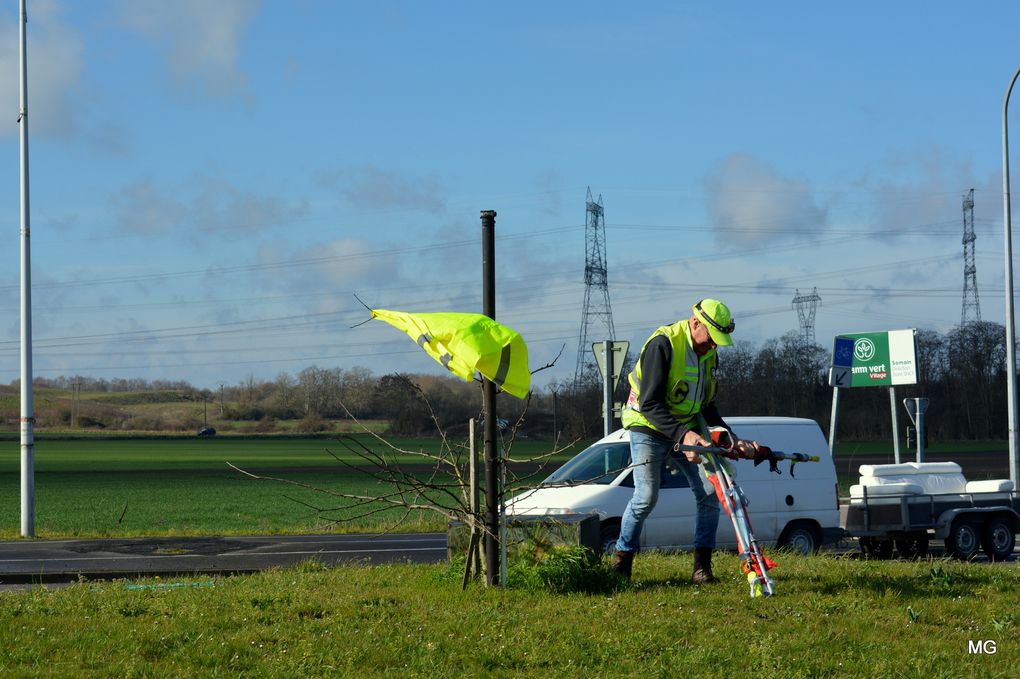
690,384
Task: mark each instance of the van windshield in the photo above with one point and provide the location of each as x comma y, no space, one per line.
600,463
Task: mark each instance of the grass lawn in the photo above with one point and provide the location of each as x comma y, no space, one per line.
831,617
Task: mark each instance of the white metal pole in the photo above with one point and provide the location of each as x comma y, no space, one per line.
1010,323
832,422
895,425
27,408
920,431
502,515
607,388
474,561
473,477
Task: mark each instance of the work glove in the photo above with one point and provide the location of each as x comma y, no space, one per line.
763,454
721,437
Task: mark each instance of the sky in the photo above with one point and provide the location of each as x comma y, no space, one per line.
212,183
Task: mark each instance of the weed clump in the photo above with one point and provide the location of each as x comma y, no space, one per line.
564,570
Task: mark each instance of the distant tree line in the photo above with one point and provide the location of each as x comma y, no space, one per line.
962,372
99,384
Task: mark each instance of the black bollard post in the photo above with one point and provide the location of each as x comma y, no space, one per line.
492,461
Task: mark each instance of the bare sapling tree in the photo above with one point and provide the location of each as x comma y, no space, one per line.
416,480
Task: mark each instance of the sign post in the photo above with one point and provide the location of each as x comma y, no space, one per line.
839,378
915,408
609,356
895,425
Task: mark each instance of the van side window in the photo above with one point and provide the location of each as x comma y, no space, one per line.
672,477
599,464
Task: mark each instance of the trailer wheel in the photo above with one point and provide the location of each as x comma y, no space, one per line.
963,541
997,538
876,548
912,548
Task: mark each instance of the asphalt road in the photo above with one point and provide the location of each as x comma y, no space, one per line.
54,561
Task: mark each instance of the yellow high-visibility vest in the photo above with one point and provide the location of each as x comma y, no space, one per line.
683,398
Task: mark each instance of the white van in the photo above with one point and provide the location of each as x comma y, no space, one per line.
799,511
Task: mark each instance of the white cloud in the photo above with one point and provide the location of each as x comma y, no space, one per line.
341,265
222,207
55,56
372,188
201,39
923,191
144,209
751,203
200,207
549,183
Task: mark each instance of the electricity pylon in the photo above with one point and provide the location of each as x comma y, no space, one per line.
597,313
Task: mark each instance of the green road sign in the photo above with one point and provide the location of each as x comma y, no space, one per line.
874,359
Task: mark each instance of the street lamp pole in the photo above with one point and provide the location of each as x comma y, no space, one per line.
27,404
1010,324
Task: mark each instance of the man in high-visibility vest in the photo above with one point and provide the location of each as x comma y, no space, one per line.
672,387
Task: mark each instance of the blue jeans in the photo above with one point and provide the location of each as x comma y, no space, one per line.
648,454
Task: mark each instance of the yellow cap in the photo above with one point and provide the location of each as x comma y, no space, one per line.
717,318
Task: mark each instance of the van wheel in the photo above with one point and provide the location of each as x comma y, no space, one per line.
997,538
962,541
912,548
609,533
800,538
876,548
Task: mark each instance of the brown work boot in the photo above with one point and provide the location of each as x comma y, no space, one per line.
622,563
703,567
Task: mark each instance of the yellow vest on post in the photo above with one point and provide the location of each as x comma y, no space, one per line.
682,382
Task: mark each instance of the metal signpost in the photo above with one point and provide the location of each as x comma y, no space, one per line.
609,356
872,359
915,408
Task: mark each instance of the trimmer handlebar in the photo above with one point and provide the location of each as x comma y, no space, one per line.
762,454
735,454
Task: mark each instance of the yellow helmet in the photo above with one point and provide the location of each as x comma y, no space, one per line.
717,318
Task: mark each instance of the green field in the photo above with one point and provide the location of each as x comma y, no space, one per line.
130,486
831,617
129,454
165,486
135,504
